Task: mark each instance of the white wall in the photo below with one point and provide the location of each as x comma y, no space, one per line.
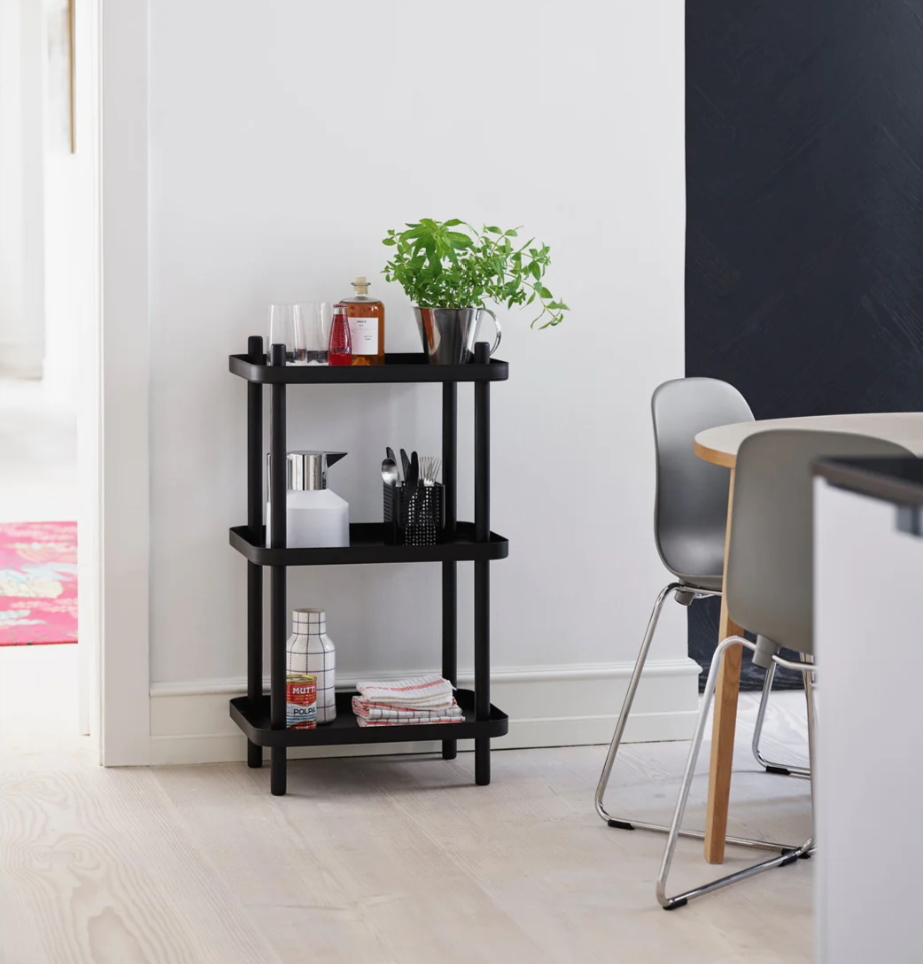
70,256
44,260
22,284
66,268
11,295
285,139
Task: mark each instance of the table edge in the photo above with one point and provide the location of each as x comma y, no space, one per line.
715,456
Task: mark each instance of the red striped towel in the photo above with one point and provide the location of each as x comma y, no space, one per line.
416,692
383,711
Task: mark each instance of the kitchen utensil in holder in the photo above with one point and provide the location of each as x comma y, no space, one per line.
414,515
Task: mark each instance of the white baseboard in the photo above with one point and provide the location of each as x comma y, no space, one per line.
548,706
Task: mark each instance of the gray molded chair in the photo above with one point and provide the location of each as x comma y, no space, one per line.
769,589
691,501
691,510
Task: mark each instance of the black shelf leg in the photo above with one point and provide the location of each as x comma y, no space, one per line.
254,651
482,569
278,613
482,668
278,672
254,520
450,624
450,585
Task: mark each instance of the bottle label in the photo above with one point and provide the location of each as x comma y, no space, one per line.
364,333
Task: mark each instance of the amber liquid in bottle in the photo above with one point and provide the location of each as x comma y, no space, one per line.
367,325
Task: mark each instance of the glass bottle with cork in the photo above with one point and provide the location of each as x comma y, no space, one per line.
367,325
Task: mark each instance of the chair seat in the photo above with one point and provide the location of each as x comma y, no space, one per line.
713,583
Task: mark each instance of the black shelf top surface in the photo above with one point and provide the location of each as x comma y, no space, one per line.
367,547
255,722
406,367
893,479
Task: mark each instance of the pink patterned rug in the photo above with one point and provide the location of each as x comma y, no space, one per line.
38,583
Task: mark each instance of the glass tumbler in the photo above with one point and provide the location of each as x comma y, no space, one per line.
287,327
317,315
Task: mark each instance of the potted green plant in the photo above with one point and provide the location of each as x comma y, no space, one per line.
449,269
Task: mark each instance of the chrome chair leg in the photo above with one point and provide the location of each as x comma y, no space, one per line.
787,855
809,677
623,718
786,770
626,824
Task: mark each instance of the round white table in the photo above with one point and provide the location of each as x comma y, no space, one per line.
720,446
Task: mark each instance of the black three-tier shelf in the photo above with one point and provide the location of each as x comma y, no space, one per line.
262,718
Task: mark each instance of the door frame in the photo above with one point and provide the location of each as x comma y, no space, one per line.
113,442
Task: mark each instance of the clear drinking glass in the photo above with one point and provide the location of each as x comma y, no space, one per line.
317,315
287,327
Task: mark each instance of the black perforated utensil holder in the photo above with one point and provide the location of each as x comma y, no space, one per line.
414,516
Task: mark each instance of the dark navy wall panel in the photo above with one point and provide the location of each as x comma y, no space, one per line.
803,254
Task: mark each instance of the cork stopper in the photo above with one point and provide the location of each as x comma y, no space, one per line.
361,285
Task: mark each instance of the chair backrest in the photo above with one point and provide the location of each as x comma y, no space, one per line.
769,585
691,504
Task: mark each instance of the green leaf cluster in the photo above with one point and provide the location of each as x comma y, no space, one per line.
450,264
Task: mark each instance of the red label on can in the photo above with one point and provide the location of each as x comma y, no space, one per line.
301,702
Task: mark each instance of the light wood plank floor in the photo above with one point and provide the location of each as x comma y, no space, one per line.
380,860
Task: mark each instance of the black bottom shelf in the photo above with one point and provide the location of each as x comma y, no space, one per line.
255,723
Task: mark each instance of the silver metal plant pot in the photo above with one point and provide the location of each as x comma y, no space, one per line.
449,334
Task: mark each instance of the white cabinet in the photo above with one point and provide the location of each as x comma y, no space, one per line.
868,640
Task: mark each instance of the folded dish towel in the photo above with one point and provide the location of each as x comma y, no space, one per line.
383,711
416,692
363,721
403,702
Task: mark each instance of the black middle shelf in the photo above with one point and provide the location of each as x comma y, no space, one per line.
367,547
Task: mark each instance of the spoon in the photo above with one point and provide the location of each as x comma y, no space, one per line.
390,472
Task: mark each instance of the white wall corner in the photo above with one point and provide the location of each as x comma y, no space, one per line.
548,706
